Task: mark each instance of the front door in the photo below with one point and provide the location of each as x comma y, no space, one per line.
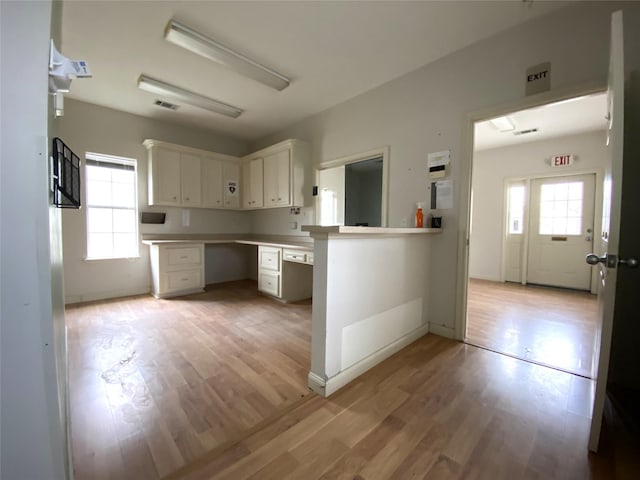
561,231
612,200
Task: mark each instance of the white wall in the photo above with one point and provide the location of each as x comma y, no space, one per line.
370,298
490,170
90,128
426,111
33,427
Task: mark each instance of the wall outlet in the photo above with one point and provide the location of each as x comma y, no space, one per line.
403,222
293,225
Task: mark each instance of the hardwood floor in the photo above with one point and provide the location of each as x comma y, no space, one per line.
213,386
155,384
438,409
550,326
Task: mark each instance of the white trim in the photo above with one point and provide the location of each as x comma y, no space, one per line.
466,168
90,297
383,152
441,330
327,387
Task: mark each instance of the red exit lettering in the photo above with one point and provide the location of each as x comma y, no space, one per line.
561,160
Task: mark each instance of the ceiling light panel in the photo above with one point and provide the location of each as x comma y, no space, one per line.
503,124
166,90
185,37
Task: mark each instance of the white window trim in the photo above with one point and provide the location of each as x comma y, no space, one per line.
98,157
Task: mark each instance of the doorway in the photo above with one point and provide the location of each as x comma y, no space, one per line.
528,287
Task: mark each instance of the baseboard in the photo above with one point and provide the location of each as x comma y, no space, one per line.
441,330
327,387
93,296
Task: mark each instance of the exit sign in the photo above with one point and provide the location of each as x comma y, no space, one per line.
562,160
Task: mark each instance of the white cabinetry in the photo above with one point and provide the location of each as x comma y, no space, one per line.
269,267
220,183
164,177
281,178
285,274
190,183
277,183
252,179
177,269
187,177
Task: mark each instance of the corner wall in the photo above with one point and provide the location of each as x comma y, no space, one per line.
91,128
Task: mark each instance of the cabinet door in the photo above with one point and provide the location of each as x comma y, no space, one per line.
252,179
231,184
165,173
276,179
190,180
212,182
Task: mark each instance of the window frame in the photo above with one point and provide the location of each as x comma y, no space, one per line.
94,160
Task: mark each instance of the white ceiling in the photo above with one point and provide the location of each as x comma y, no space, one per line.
578,115
332,51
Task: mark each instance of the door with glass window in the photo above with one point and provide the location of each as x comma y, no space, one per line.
561,231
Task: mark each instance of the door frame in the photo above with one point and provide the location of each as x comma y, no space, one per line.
597,219
466,171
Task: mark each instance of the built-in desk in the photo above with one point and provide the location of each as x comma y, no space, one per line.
283,263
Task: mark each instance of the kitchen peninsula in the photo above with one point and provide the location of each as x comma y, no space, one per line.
370,298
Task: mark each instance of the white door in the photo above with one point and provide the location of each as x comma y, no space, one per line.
561,231
612,197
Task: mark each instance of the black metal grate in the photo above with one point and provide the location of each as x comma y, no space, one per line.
66,176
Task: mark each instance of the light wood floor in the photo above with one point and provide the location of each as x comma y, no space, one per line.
155,384
210,387
551,326
437,410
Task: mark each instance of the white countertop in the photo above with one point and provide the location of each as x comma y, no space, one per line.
370,231
293,242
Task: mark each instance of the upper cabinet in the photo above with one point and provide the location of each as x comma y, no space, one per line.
252,177
220,183
187,177
282,184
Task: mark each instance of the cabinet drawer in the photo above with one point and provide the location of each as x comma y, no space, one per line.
294,256
184,256
269,283
269,258
185,280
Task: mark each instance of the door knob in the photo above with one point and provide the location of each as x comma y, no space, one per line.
593,259
612,261
630,262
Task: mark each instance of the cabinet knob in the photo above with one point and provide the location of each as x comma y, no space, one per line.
279,198
273,199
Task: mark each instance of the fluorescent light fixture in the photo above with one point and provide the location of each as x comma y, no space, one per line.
186,37
503,124
170,91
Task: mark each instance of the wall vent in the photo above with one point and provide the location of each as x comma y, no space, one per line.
168,105
525,132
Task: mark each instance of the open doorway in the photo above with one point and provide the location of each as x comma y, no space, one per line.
535,205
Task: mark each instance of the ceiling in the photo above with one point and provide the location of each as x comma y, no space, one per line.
568,117
331,51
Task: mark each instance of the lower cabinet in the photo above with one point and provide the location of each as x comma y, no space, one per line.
177,269
286,275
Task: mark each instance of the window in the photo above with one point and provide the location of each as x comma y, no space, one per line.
561,208
112,229
516,209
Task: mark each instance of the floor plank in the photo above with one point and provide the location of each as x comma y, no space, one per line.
480,415
157,384
550,326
